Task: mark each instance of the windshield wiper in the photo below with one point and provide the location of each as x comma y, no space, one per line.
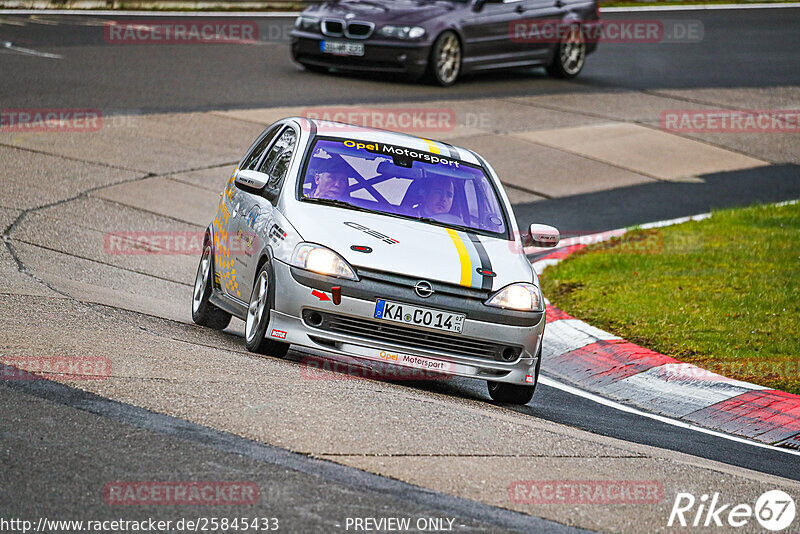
440,223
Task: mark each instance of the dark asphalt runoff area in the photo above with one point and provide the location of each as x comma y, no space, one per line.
73,443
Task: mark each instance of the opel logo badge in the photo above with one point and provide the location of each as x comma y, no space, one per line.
423,289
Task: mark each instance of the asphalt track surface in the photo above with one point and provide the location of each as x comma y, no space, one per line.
76,432
743,48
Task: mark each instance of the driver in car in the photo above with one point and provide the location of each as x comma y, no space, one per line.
331,181
437,201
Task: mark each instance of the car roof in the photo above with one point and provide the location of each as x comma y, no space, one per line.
361,133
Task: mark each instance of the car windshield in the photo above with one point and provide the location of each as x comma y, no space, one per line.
402,182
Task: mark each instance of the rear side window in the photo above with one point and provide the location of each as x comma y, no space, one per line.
255,154
277,161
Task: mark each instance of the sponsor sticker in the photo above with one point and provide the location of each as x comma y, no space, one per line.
402,156
280,334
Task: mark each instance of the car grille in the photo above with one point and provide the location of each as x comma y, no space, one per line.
333,27
353,30
410,337
359,30
411,281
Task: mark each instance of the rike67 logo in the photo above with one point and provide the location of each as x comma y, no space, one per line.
774,511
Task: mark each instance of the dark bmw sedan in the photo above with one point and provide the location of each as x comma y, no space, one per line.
443,39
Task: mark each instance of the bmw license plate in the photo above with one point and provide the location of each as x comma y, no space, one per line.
414,315
342,48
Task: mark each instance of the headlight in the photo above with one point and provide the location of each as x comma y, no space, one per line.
307,24
402,32
322,261
523,297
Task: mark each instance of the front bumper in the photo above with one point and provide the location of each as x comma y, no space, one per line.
294,302
379,55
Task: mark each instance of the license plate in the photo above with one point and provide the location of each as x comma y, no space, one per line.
397,312
342,48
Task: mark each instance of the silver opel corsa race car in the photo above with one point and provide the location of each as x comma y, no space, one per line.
376,246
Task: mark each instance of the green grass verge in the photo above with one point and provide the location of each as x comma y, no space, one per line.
633,3
722,293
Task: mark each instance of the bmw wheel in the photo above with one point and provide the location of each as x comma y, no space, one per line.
257,319
444,65
203,312
570,54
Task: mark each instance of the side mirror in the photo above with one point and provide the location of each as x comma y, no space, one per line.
252,179
542,235
477,5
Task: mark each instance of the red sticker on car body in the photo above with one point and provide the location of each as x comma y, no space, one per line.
280,334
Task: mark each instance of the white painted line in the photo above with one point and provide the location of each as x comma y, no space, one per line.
671,222
660,418
701,7
27,51
121,13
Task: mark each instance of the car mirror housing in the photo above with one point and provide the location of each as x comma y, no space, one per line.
251,179
270,193
542,235
477,5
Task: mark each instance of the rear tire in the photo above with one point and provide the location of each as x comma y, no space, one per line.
570,55
203,312
257,319
444,63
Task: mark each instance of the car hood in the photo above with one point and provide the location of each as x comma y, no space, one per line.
393,12
411,248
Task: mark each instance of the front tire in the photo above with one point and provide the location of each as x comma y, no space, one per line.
512,393
570,55
444,64
203,312
257,319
